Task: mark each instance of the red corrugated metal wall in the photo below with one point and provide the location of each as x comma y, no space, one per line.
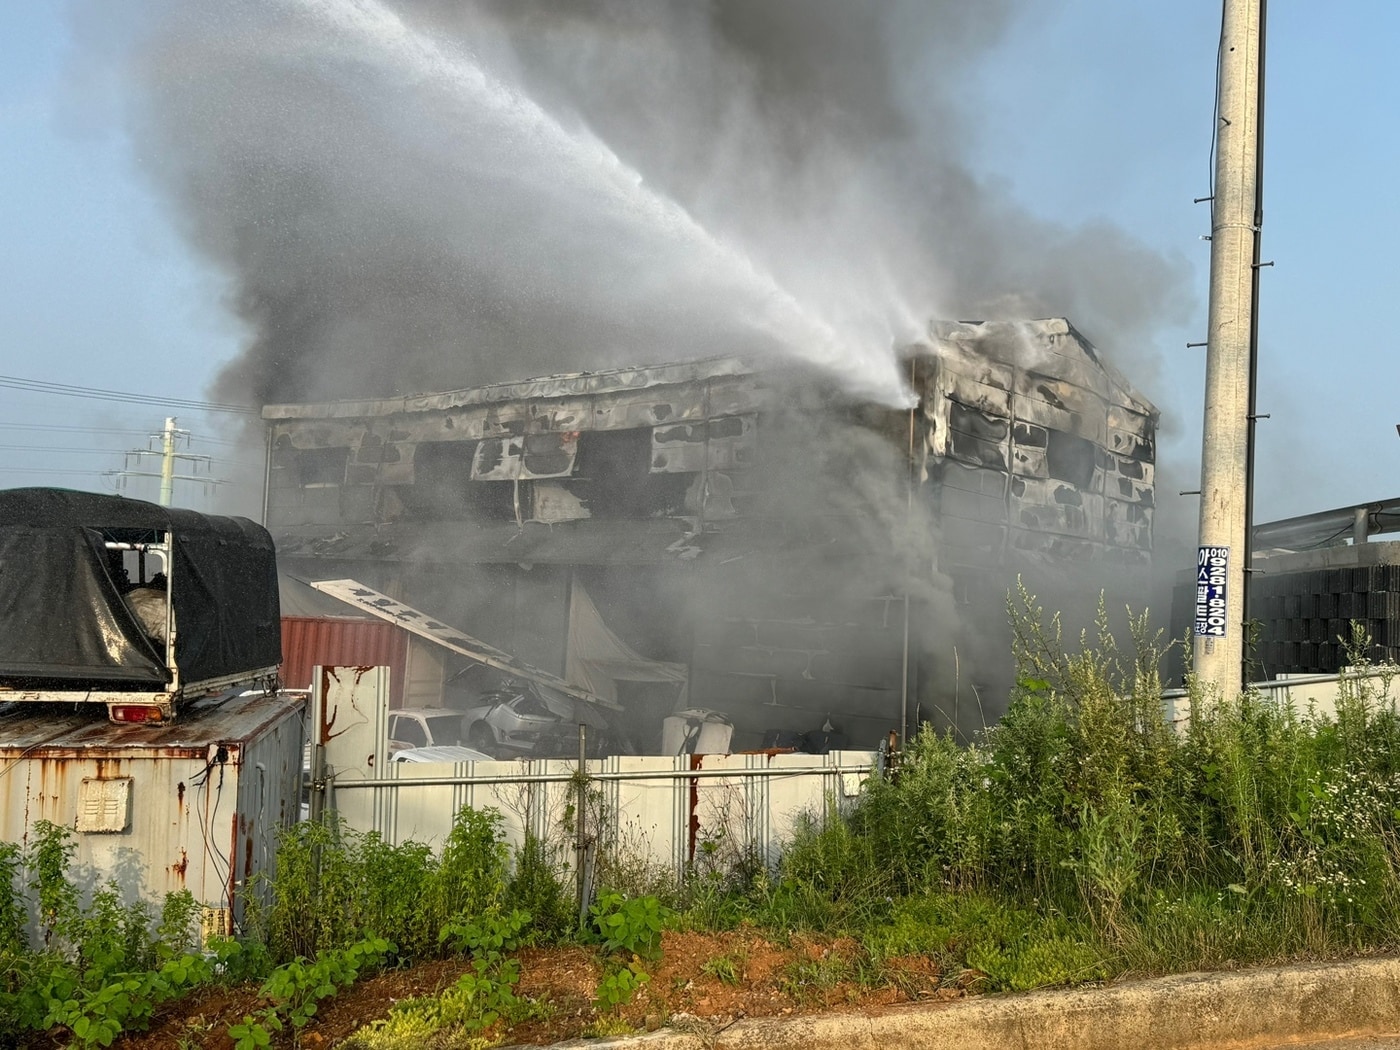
340,642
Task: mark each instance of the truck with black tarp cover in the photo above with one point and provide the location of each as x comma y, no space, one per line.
117,601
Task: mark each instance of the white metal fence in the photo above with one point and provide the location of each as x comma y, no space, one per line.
673,813
1307,696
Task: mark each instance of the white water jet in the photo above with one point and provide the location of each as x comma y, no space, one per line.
579,158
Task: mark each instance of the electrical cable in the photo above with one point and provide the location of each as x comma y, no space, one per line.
67,448
1215,117
21,757
40,386
59,470
200,782
72,428
110,430
1324,542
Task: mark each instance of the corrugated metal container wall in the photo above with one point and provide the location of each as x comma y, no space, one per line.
196,804
316,641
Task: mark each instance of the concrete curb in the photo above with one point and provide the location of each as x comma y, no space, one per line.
1169,1013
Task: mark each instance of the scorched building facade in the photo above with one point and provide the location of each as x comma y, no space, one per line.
729,535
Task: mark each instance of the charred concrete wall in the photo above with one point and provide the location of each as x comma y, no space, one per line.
1039,451
757,526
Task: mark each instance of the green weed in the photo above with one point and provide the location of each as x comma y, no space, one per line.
727,969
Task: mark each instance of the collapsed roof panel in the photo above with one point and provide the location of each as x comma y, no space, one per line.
400,614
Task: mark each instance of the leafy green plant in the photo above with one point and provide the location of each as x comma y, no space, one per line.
631,925
97,1014
234,961
252,1034
618,987
48,859
177,930
535,886
335,886
101,969
12,910
297,987
486,938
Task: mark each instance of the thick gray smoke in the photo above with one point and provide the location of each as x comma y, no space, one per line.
431,193
413,195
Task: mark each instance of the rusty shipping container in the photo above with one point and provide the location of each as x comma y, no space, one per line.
331,641
195,804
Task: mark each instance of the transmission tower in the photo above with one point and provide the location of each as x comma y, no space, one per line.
166,445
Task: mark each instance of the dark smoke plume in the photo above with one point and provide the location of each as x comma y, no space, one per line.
415,195
388,224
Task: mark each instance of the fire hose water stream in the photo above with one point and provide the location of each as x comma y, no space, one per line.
538,147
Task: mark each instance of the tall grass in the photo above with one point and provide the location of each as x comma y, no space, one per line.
1251,834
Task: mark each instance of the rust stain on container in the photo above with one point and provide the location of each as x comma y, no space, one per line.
233,862
182,865
693,826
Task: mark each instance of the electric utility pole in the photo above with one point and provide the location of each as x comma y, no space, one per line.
169,439
1226,447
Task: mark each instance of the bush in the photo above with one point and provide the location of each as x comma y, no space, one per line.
335,887
536,886
1255,834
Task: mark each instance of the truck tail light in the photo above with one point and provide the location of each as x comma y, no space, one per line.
145,713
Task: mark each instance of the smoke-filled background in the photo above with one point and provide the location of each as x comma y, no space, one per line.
420,195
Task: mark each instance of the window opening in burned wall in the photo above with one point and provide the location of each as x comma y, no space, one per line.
321,466
977,437
1070,458
525,456
443,489
614,477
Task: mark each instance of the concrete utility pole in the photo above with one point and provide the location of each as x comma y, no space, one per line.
1226,448
169,438
167,462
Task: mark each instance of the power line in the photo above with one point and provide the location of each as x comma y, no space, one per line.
73,429
55,448
56,470
92,451
40,386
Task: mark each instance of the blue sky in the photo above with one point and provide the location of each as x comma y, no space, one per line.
97,288
1090,110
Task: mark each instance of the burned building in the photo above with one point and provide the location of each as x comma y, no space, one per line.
727,534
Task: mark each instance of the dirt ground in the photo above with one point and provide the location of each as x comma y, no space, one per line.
703,980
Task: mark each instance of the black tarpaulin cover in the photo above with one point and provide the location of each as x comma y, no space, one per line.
62,616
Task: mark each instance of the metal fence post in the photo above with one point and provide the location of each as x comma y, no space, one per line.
581,826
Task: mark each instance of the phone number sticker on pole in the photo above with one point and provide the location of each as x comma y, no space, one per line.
1212,579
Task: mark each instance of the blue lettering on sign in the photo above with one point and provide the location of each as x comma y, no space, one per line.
1212,576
